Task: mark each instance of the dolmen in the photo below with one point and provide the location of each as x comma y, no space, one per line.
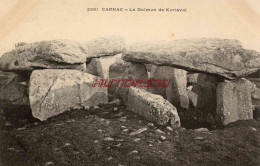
221,66
217,76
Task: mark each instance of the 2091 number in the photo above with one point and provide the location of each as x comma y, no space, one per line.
92,9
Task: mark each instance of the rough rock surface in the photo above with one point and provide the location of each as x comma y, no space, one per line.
175,93
192,78
256,81
100,66
134,71
234,101
205,88
59,54
13,90
45,54
255,90
53,91
117,71
104,46
193,98
160,72
153,107
149,67
222,57
256,97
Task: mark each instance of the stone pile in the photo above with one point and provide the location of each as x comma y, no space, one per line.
207,74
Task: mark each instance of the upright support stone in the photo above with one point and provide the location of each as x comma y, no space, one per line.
233,101
152,107
116,71
54,91
100,66
205,88
176,91
159,72
136,71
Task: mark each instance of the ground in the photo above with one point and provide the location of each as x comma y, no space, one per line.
103,136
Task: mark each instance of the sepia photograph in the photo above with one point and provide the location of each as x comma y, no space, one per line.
129,83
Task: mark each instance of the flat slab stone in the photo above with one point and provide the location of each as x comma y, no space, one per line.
221,57
59,54
152,107
234,101
64,54
54,91
104,46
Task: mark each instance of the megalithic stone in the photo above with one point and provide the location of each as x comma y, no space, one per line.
101,66
176,92
135,71
152,107
53,91
234,101
223,57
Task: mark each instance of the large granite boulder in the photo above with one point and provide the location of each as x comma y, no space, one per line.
221,57
233,101
117,71
104,46
53,91
135,71
175,92
45,54
152,107
160,72
205,90
59,54
101,66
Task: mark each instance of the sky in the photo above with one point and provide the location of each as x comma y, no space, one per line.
36,20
